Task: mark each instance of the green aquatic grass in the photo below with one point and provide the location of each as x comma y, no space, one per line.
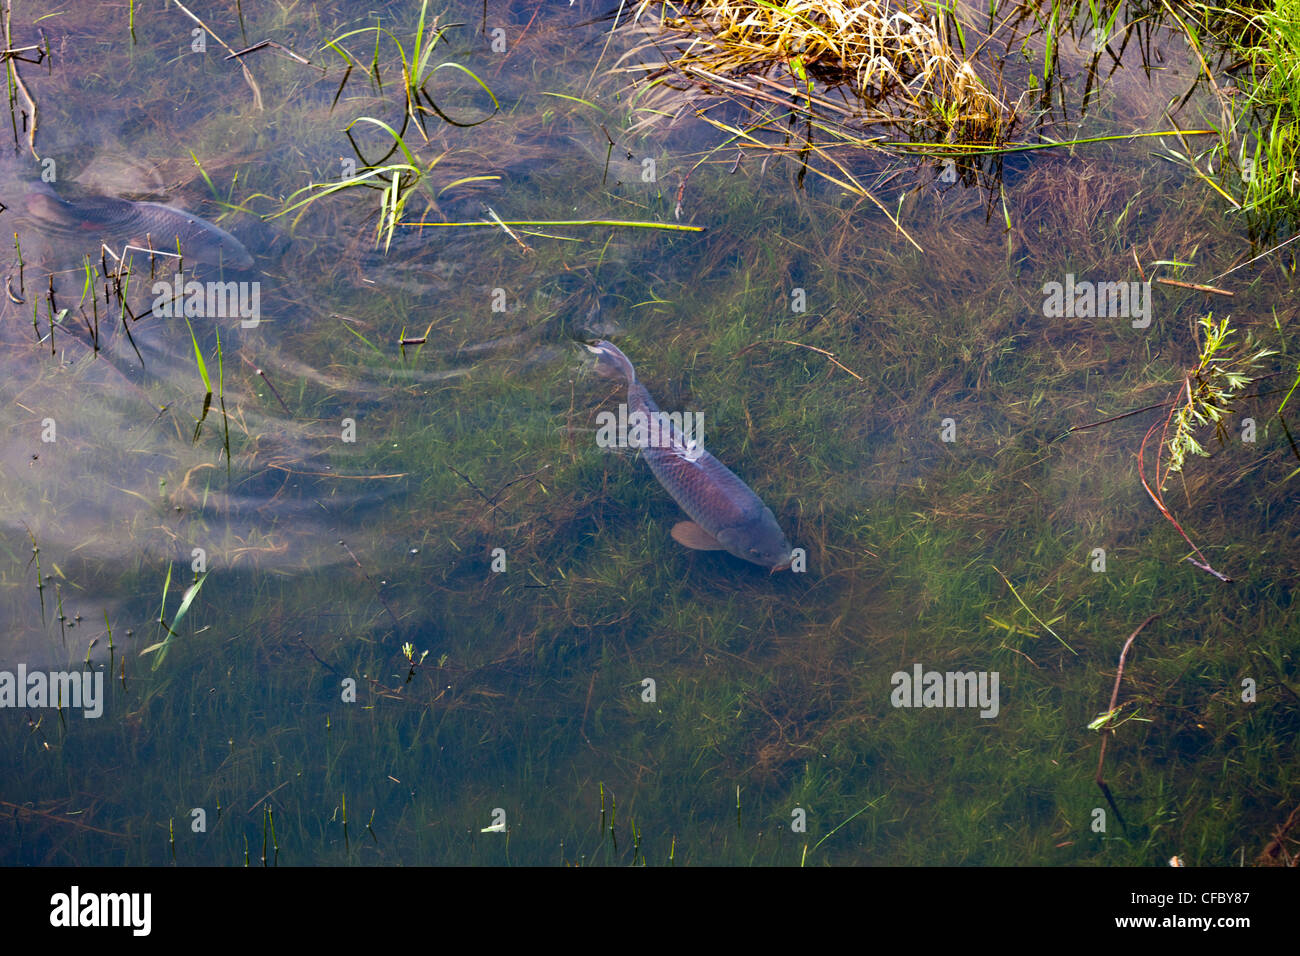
396,182
772,693
160,648
1255,53
1272,191
416,69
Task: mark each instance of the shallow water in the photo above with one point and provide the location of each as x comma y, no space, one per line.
450,494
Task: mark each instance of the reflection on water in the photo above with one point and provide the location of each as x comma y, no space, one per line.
105,459
396,488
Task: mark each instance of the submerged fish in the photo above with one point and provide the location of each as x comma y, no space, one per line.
725,514
117,222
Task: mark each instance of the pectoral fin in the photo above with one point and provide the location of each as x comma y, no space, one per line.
690,535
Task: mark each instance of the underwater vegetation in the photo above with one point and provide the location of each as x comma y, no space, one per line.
991,305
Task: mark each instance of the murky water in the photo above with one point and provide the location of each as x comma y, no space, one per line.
434,605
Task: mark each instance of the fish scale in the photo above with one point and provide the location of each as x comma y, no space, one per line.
706,489
718,502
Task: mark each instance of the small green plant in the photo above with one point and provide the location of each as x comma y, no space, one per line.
1271,187
186,600
416,70
1209,389
1110,720
408,651
396,182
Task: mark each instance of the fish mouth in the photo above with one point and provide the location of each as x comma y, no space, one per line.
784,566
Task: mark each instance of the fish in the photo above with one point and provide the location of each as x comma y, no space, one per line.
725,513
117,222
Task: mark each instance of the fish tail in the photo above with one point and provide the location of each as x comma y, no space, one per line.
611,362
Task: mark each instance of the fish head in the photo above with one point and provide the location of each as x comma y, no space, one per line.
222,250
759,540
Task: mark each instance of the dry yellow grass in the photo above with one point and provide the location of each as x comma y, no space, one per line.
899,59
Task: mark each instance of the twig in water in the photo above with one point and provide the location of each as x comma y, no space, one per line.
248,76
262,376
269,794
1276,847
1114,698
492,499
1113,418
272,45
58,818
378,593
1204,563
509,232
811,348
1268,252
1196,286
13,59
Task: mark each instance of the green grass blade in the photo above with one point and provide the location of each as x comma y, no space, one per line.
198,357
190,594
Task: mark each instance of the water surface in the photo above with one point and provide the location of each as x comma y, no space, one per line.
574,673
